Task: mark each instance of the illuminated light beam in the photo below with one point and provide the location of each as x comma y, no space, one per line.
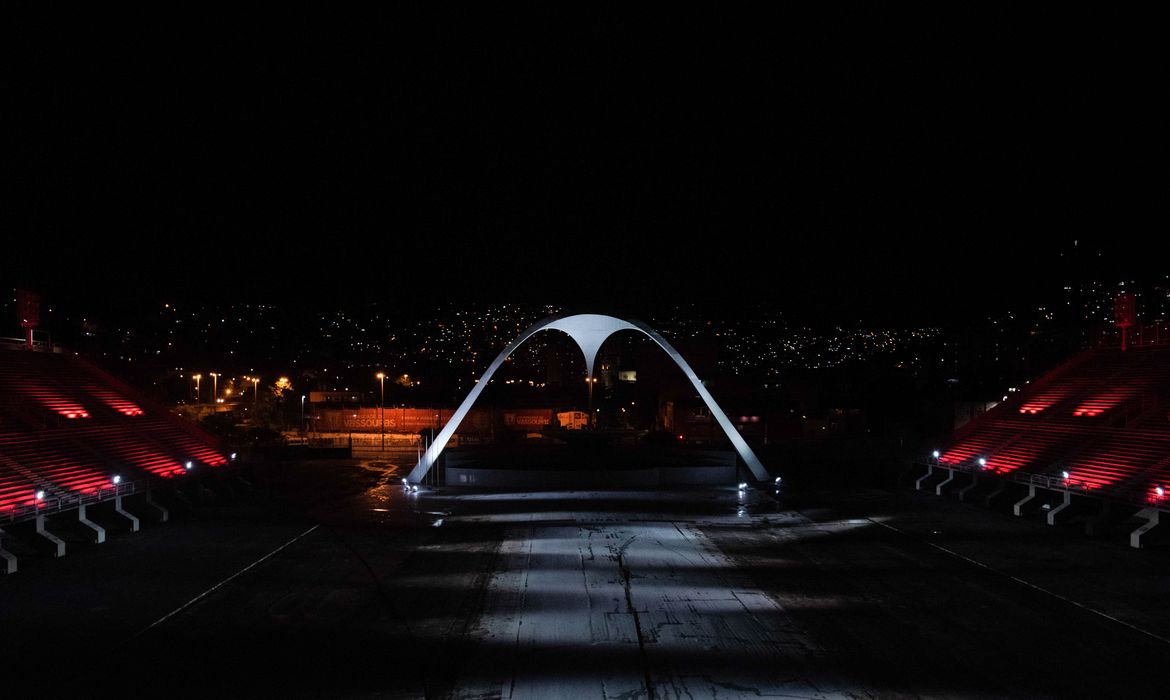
114,401
589,331
1104,401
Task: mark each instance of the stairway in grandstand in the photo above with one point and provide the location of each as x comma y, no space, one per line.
71,433
1099,424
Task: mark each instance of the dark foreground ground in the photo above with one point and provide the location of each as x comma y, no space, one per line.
356,590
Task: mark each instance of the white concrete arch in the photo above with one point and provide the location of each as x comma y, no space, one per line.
589,331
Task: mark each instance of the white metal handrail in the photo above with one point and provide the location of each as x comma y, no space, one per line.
1132,495
68,502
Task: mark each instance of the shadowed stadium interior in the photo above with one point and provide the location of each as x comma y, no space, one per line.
782,350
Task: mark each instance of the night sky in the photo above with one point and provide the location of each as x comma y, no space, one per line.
875,162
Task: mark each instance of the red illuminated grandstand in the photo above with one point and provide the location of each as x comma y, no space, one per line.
71,435
1098,425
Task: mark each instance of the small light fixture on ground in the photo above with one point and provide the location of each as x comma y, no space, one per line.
935,454
1064,475
40,495
742,486
189,466
982,462
117,479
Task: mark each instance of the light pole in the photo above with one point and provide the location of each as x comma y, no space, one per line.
381,408
302,413
198,395
590,381
255,389
214,387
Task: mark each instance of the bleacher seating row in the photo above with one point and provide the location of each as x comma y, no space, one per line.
1100,423
68,431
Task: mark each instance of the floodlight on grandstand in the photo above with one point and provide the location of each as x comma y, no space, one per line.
189,466
982,461
1064,475
40,495
1160,491
233,456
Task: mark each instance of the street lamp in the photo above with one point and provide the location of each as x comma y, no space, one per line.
381,408
197,377
590,381
214,386
256,389
302,413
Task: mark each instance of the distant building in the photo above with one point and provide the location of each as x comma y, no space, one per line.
398,419
573,420
337,397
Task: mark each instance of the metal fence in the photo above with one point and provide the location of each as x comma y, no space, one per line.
63,504
1057,482
357,440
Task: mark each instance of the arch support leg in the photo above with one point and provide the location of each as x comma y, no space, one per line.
970,487
57,542
998,490
950,477
166,514
929,473
1018,508
1063,505
1150,515
122,512
8,557
99,531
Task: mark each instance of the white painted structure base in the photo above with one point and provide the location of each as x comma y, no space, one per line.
969,487
8,558
122,512
99,531
950,477
166,514
1064,504
1018,508
588,331
56,541
929,473
1150,515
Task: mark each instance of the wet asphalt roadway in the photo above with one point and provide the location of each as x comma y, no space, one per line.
330,581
